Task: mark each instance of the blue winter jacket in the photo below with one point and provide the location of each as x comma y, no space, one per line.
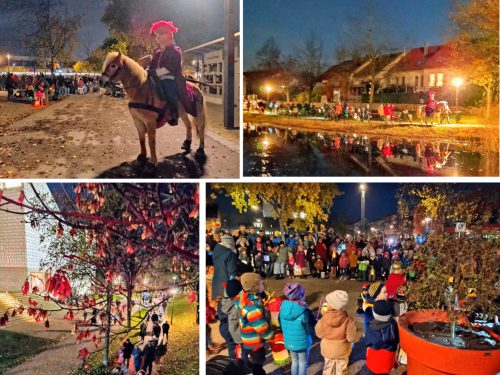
297,323
382,335
291,242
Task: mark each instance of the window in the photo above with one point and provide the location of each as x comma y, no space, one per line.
402,81
432,80
397,81
440,77
422,80
416,81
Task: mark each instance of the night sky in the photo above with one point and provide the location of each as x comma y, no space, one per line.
380,201
93,31
407,24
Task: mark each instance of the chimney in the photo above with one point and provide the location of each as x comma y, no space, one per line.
426,49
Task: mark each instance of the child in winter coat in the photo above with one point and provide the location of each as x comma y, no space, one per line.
318,265
353,264
255,329
343,264
376,292
337,331
382,339
297,323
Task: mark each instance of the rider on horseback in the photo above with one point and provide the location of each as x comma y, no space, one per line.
166,65
431,105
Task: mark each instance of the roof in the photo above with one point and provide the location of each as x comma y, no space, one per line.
348,66
438,56
213,45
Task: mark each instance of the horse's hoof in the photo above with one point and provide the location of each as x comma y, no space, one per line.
186,145
142,158
200,154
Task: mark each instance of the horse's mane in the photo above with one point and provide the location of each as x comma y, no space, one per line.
134,68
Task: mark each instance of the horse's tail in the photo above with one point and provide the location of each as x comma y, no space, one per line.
201,123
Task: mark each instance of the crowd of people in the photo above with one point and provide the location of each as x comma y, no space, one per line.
338,111
149,350
31,87
251,320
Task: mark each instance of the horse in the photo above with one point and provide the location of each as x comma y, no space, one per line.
442,111
146,107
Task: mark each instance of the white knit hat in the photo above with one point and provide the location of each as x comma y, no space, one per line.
338,299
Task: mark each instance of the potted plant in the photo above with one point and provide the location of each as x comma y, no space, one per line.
452,303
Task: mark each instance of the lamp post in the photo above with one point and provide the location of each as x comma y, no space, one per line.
8,61
362,187
268,91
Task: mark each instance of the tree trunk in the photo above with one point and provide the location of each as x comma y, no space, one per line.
52,65
488,100
129,307
105,359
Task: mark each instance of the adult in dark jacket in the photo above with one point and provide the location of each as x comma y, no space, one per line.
225,268
149,356
127,352
10,84
382,339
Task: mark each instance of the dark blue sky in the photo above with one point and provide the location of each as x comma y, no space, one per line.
407,23
380,201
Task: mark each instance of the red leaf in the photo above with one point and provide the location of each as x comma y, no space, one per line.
21,196
83,353
26,287
193,213
73,232
130,249
60,230
47,325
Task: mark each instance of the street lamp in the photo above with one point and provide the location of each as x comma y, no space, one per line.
268,91
362,187
8,61
457,82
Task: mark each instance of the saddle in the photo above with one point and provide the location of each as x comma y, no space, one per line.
163,112
187,97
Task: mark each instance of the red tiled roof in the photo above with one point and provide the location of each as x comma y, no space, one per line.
437,57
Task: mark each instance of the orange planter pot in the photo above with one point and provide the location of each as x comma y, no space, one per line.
426,358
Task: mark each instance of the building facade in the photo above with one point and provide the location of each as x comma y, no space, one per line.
20,247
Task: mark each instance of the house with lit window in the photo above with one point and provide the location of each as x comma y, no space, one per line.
422,69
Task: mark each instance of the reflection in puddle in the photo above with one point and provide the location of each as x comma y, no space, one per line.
271,151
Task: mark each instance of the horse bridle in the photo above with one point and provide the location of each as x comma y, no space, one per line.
110,77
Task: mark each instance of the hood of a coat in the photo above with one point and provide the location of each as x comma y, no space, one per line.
335,318
291,310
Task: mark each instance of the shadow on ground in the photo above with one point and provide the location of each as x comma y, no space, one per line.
180,165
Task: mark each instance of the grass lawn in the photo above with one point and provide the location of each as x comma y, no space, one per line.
16,348
183,355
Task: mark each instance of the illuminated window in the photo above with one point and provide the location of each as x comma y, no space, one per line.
432,80
440,77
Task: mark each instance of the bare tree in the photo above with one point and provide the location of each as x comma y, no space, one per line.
53,34
269,55
310,60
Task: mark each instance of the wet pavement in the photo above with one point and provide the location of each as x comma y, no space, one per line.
281,151
90,136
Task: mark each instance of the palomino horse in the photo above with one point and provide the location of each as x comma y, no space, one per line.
442,112
148,105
